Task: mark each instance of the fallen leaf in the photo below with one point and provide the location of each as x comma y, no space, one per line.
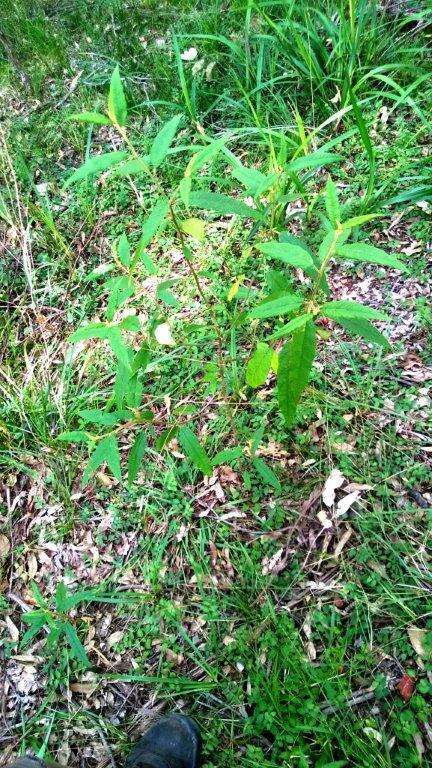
357,487
343,447
406,686
273,564
114,639
417,637
344,539
324,520
334,481
419,745
13,629
85,688
163,335
32,567
4,547
346,503
189,55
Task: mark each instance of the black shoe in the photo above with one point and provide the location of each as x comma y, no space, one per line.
173,742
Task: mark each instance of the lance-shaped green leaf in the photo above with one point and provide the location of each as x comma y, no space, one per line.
106,418
293,325
369,253
294,255
100,271
313,160
287,237
127,387
194,227
141,359
295,363
256,183
110,333
215,201
78,651
154,222
132,167
204,156
123,250
259,365
185,187
194,450
119,289
90,117
106,452
136,456
90,331
357,221
163,141
117,108
130,323
267,474
94,166
332,202
275,307
365,329
227,456
75,436
351,310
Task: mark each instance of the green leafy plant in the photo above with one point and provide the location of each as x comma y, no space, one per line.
306,310
309,308
54,619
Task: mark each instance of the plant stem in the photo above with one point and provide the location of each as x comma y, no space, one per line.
187,256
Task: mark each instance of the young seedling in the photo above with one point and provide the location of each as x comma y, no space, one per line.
305,309
124,412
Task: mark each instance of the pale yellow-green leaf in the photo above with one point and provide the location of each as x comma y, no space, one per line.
234,289
194,227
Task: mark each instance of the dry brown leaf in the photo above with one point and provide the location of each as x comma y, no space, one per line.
32,567
115,638
346,503
343,447
406,687
324,520
341,543
84,688
270,564
334,481
417,638
13,629
4,546
357,487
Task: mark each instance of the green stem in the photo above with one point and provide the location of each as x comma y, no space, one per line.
187,256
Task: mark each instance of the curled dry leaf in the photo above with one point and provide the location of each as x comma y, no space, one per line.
273,564
357,487
13,629
334,481
417,638
324,520
406,686
4,547
346,503
115,638
189,55
163,335
343,540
